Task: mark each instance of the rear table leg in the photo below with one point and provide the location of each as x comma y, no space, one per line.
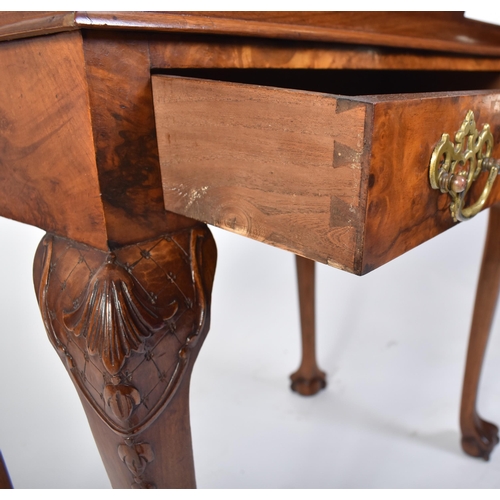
478,436
308,379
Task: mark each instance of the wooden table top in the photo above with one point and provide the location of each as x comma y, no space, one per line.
438,31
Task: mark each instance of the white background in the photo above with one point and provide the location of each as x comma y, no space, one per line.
393,343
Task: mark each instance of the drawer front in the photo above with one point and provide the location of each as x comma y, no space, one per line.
403,210
340,180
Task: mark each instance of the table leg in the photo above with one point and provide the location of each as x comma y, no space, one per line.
478,436
5,482
128,325
308,379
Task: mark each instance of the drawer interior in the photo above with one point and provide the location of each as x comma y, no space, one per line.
349,82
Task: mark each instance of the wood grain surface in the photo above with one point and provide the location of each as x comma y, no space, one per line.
343,181
119,83
276,165
441,31
402,210
48,175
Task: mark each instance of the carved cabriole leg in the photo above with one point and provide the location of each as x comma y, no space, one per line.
478,436
308,379
128,326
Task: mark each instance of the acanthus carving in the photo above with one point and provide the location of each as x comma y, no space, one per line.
125,324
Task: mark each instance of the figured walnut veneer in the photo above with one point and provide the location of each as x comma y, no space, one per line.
45,123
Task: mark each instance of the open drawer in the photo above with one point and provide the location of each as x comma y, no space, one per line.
342,180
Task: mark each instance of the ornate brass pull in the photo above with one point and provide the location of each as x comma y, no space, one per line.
454,167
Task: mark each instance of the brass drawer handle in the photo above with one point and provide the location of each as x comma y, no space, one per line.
454,167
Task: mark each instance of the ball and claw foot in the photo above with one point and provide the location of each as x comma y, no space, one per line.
308,384
482,441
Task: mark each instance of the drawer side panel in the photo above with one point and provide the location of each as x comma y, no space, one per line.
280,166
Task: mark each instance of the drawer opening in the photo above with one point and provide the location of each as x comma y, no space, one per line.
349,82
321,171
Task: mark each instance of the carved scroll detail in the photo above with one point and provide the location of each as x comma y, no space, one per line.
124,323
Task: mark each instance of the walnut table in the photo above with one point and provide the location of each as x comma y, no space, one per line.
123,134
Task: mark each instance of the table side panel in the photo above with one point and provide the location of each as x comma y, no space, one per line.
119,81
276,165
403,210
48,174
